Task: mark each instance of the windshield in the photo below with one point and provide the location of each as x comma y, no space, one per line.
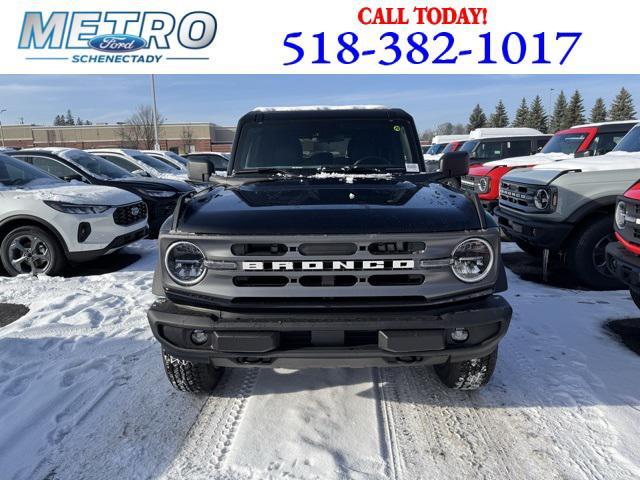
564,143
469,146
452,147
94,165
18,174
159,165
630,142
436,149
327,144
176,157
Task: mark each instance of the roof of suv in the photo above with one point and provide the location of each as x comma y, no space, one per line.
604,127
350,111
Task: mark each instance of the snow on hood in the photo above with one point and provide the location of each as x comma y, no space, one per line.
78,193
173,176
349,177
429,157
537,159
609,161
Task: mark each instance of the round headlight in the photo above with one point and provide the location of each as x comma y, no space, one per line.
541,199
472,260
483,184
185,263
621,215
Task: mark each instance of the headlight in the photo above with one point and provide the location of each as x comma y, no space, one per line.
472,260
543,199
185,263
77,209
621,215
483,184
157,193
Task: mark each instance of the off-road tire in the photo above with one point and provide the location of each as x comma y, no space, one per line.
191,377
580,254
468,375
635,296
57,261
529,249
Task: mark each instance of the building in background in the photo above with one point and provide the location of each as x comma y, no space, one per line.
179,137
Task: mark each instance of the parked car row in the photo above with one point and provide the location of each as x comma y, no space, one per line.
62,205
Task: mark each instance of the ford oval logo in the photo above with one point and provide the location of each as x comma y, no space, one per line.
117,43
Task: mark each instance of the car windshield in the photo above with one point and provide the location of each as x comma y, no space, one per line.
452,147
469,146
630,142
159,165
564,143
176,157
436,149
326,145
95,165
18,174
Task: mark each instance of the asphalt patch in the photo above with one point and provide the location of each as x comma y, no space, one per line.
627,331
10,312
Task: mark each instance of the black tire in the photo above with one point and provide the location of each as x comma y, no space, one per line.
41,252
586,256
468,375
191,377
635,296
529,249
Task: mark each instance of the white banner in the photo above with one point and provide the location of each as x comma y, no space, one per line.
332,36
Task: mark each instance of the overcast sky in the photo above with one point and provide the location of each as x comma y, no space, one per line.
222,99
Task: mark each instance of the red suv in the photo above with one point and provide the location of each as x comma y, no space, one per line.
623,257
579,141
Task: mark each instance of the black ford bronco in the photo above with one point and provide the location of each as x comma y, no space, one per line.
327,245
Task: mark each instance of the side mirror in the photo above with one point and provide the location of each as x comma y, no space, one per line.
199,170
454,165
77,177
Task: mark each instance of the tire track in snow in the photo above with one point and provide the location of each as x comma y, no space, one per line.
388,440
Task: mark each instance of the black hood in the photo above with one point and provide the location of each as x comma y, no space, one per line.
328,206
154,183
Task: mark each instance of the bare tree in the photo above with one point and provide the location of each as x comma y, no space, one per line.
187,138
137,131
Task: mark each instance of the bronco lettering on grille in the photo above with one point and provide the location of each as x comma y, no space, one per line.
330,265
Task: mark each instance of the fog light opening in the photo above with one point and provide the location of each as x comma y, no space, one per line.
199,337
460,335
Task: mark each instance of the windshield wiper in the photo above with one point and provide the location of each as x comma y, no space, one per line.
265,170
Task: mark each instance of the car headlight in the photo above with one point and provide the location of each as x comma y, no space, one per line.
542,199
621,215
185,263
472,260
76,208
484,184
157,193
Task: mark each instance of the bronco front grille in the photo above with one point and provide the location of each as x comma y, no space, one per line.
517,195
130,214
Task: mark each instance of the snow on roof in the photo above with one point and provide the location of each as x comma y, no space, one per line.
319,107
54,150
609,161
480,133
449,138
621,122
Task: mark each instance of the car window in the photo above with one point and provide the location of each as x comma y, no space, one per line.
219,162
154,163
161,158
605,142
564,143
120,161
18,174
630,142
53,167
540,143
469,146
177,157
94,164
518,148
488,151
436,148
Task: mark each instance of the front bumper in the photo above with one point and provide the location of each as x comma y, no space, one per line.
624,265
540,233
117,243
334,338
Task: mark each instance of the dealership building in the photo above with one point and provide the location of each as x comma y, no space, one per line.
179,137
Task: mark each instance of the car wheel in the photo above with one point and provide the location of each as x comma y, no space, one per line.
31,250
586,255
187,376
469,374
635,296
526,247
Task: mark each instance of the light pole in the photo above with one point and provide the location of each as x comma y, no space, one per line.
156,143
551,90
2,131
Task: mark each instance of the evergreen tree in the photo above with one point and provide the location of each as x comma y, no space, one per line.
537,117
69,118
477,119
499,118
598,112
522,115
559,112
575,111
79,121
622,107
58,120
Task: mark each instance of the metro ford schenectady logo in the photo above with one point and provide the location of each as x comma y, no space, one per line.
121,37
117,43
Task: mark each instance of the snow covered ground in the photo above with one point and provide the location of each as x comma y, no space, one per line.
83,395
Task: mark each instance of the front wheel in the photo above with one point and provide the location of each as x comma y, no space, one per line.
469,374
31,250
187,376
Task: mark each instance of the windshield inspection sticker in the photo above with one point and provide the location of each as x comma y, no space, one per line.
412,167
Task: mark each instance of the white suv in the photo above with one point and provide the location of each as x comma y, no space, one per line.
138,163
45,222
